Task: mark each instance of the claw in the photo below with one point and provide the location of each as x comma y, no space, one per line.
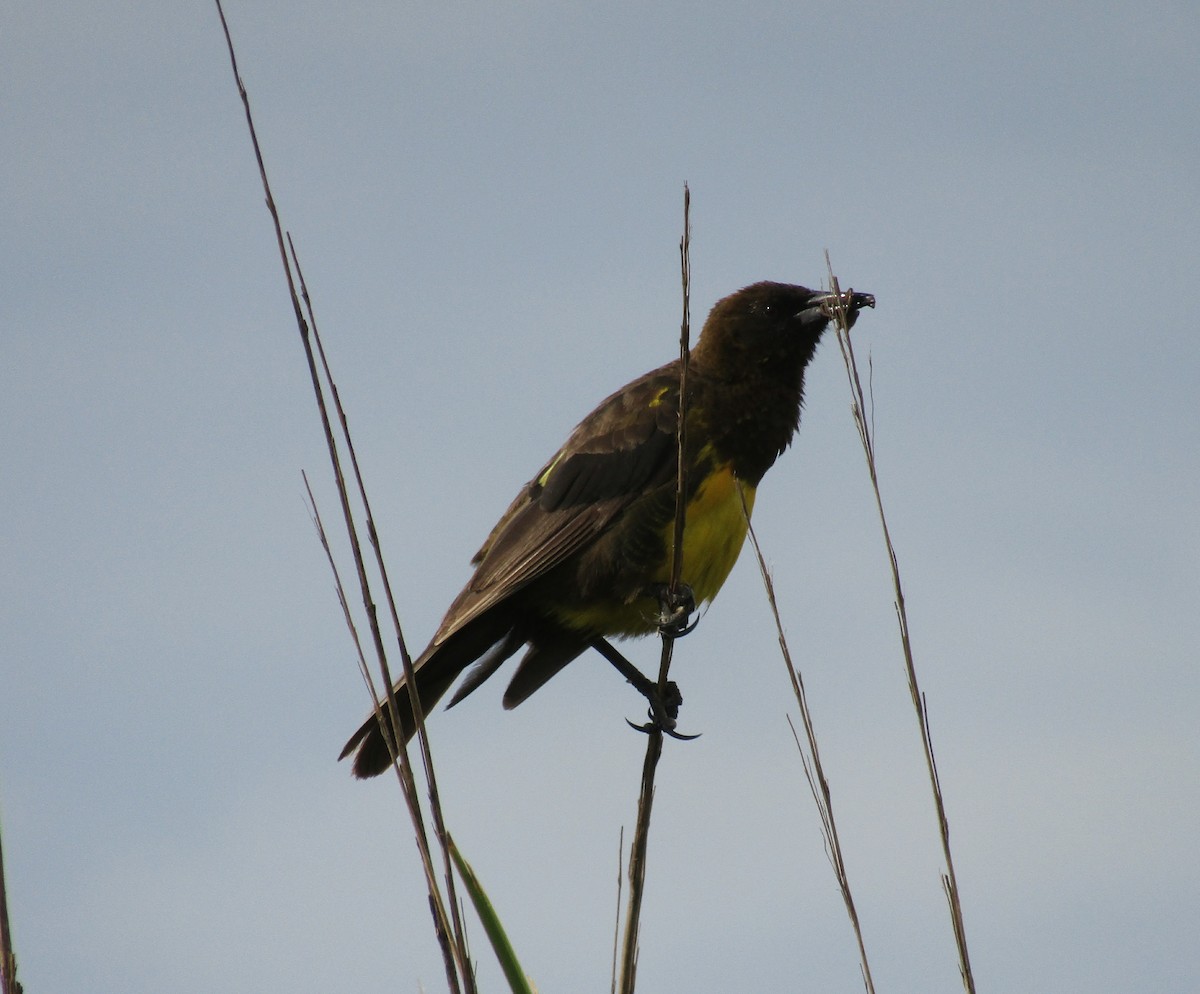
663,712
675,610
650,726
664,707
675,632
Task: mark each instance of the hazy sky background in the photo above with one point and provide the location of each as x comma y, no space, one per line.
487,202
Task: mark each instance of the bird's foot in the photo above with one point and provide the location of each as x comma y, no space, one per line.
664,707
675,609
664,710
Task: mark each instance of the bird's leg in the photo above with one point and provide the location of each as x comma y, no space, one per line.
664,708
675,608
663,711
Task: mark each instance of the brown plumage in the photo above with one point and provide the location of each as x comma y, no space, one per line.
583,547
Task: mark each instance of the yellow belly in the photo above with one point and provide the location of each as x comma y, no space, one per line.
714,531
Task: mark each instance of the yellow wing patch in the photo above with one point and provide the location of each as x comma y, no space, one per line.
657,399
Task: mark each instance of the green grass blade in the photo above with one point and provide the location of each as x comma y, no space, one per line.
517,981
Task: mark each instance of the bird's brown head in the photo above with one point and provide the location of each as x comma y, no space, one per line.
770,328
751,358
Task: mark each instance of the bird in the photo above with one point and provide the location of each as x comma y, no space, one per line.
583,554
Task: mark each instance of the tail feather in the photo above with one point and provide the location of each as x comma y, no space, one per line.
373,755
491,661
548,653
436,670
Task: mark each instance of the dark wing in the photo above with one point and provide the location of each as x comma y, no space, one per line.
622,450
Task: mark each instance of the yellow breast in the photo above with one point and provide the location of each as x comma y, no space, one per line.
713,534
714,531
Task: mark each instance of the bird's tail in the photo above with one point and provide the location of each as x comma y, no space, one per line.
435,670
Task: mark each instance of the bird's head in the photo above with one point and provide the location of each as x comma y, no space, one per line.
770,325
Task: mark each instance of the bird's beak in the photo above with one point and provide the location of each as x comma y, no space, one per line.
847,303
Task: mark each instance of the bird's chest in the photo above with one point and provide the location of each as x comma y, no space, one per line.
715,528
714,531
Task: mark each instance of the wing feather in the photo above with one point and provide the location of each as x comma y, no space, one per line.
622,450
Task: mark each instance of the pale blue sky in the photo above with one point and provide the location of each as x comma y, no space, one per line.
487,201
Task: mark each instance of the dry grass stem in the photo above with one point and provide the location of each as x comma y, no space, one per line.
402,768
641,834
8,961
617,926
810,758
459,975
866,434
